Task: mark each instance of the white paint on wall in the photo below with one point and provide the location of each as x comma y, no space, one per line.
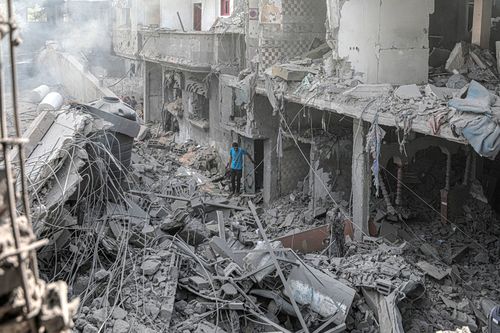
169,19
211,10
386,41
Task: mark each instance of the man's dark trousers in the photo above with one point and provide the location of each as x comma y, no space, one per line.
235,180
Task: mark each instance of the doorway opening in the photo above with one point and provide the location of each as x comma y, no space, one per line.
197,16
259,163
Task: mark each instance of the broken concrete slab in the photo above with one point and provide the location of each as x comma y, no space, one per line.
369,90
429,250
463,319
456,60
324,294
410,91
119,313
195,232
54,146
121,326
289,72
440,93
221,247
261,261
65,182
318,52
434,271
150,267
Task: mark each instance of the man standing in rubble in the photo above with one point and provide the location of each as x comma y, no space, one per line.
236,156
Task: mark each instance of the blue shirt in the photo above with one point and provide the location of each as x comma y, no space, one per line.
237,158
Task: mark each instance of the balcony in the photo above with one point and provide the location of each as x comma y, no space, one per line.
126,42
193,51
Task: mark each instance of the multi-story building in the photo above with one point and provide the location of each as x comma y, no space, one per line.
309,87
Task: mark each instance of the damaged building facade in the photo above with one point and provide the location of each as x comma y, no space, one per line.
284,77
372,205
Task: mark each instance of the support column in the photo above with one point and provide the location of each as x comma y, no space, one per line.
361,180
481,25
146,90
271,167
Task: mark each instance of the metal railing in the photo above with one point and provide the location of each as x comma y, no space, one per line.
8,33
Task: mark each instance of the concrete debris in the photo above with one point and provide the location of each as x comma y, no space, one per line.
324,294
191,250
431,270
150,267
169,250
456,59
408,92
290,72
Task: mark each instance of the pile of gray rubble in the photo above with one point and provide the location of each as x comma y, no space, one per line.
160,247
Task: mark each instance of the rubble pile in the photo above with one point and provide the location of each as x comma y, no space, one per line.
461,102
153,243
466,62
47,302
175,254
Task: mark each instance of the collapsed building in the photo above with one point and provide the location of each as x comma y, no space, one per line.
373,203
272,73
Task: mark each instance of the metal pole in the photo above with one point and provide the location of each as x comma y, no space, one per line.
7,143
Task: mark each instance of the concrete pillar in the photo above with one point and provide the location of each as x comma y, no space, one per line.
361,179
146,89
271,168
481,24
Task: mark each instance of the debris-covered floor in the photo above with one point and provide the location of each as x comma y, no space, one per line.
174,253
136,232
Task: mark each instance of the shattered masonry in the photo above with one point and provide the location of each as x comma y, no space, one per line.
372,206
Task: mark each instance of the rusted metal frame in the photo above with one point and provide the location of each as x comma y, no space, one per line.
6,143
12,202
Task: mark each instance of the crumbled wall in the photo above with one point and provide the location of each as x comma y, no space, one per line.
386,41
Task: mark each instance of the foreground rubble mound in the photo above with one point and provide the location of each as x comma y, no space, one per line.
172,253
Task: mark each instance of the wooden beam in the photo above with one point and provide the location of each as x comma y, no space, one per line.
481,24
